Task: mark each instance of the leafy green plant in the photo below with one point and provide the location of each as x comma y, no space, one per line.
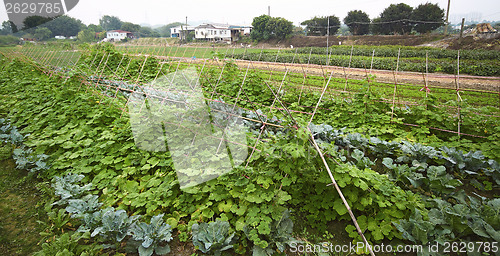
153,236
5,152
279,237
58,221
9,133
115,224
212,237
25,160
66,189
69,244
86,204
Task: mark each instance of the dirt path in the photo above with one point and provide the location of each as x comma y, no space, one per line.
19,234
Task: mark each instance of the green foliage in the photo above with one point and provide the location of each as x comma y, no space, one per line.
66,188
57,223
86,134
431,13
317,26
84,205
280,235
8,40
115,224
7,28
358,22
212,237
68,244
64,26
451,221
42,33
393,18
5,152
152,236
266,27
86,35
26,160
385,59
130,27
9,133
110,22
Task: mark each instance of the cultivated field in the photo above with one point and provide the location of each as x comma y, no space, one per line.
249,151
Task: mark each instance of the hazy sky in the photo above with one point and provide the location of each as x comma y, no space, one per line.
242,12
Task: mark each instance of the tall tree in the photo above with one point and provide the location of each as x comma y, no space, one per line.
6,28
95,28
130,27
110,22
34,21
42,33
266,27
431,15
87,35
317,26
65,26
260,32
396,19
165,30
148,32
358,22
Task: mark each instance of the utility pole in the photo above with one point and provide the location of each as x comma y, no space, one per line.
327,37
447,15
269,10
462,29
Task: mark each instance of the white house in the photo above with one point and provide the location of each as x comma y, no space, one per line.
181,31
215,32
118,35
221,32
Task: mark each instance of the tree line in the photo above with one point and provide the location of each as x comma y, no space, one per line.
42,28
395,19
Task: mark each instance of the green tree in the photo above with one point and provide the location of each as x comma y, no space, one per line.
164,31
32,22
358,22
431,14
110,22
260,31
148,32
266,27
6,28
65,26
96,28
42,33
130,27
283,28
87,35
378,27
317,26
395,19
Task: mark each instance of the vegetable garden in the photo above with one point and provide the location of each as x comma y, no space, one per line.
324,159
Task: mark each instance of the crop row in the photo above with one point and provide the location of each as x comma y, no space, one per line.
404,52
471,67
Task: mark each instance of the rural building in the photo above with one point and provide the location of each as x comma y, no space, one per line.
221,32
118,35
181,31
